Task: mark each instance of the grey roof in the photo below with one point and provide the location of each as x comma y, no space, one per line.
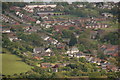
39,49
46,64
74,48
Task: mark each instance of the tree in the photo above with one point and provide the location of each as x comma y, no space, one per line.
73,40
71,28
82,60
112,38
94,75
66,33
53,59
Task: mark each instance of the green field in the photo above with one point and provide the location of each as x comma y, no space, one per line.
65,16
12,64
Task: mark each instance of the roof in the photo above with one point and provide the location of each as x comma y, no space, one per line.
79,54
46,65
39,49
74,48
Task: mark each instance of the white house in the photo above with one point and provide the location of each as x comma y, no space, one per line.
44,37
12,38
48,50
38,22
38,50
73,50
6,30
47,26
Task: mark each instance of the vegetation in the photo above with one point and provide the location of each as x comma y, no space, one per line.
13,64
20,62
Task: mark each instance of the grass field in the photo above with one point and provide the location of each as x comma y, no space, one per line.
65,16
12,64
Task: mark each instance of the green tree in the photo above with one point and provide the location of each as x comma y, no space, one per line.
73,40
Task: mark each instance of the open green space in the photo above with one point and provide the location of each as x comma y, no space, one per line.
65,16
12,64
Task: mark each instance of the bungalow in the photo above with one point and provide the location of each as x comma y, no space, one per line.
47,26
34,29
38,50
45,37
104,64
93,34
65,40
111,50
48,50
60,45
56,66
111,67
107,15
26,28
89,58
38,58
38,22
97,60
55,69
44,17
6,30
80,54
13,38
52,41
45,65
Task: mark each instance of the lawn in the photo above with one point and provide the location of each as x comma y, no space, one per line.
65,16
12,64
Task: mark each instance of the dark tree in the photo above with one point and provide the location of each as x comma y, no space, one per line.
73,40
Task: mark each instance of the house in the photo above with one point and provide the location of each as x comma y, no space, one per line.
80,54
38,50
34,29
56,66
97,61
73,50
45,37
107,15
60,45
37,58
38,22
76,35
104,64
12,37
55,69
45,65
52,41
89,58
27,28
111,50
44,17
15,8
6,30
112,67
93,34
65,40
48,26
48,50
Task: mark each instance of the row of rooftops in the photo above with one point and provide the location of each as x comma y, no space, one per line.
8,19
25,16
